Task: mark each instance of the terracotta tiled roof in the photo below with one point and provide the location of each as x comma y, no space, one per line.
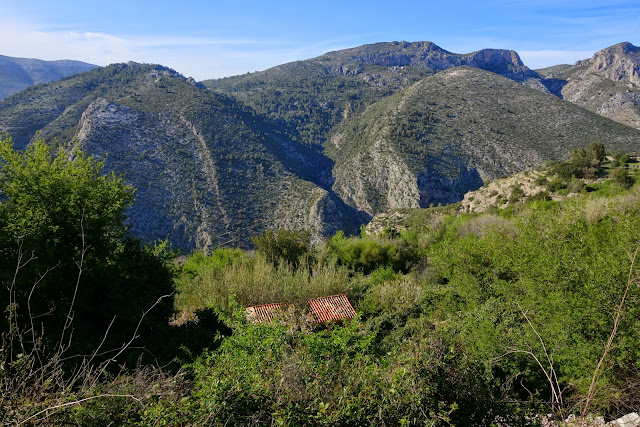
330,309
263,313
321,310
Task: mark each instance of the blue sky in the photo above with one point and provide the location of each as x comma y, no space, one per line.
209,39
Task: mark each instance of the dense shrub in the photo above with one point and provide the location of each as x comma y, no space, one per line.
266,374
621,177
289,246
367,254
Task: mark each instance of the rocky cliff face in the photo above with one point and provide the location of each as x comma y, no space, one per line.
623,107
377,179
607,83
620,62
155,153
430,56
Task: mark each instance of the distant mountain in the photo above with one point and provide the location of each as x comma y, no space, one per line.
314,95
442,136
17,74
207,170
607,83
428,55
321,144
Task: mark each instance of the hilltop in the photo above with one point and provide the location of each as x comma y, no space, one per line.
445,135
314,95
608,83
207,170
17,74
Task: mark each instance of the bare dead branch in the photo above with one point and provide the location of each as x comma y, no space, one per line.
614,331
69,318
135,332
551,375
76,402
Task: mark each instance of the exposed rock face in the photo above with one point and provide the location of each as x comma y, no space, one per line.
623,107
183,183
429,55
620,62
152,153
438,189
607,83
377,179
629,420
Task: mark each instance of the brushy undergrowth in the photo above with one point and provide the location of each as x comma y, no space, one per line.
463,319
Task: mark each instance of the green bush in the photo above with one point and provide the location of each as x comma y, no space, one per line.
267,374
516,193
81,296
621,177
290,246
366,255
556,185
576,186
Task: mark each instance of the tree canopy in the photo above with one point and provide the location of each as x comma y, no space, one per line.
73,275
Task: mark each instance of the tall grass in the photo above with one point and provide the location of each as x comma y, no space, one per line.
252,280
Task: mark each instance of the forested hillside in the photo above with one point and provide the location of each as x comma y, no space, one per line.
207,170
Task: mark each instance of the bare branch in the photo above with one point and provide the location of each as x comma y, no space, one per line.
135,332
31,317
69,318
556,391
76,402
607,348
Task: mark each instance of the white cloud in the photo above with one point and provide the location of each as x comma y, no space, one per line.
98,48
200,57
208,57
545,58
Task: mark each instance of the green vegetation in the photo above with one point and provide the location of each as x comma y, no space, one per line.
209,170
285,245
583,163
311,97
81,299
439,132
457,336
463,319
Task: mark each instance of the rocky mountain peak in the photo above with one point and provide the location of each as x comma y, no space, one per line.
428,55
497,56
620,62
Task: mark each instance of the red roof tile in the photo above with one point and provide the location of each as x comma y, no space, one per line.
263,313
332,308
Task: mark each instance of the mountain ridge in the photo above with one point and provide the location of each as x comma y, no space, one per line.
443,136
207,170
17,74
322,144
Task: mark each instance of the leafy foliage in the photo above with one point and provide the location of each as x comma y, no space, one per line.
76,286
289,246
267,374
370,253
